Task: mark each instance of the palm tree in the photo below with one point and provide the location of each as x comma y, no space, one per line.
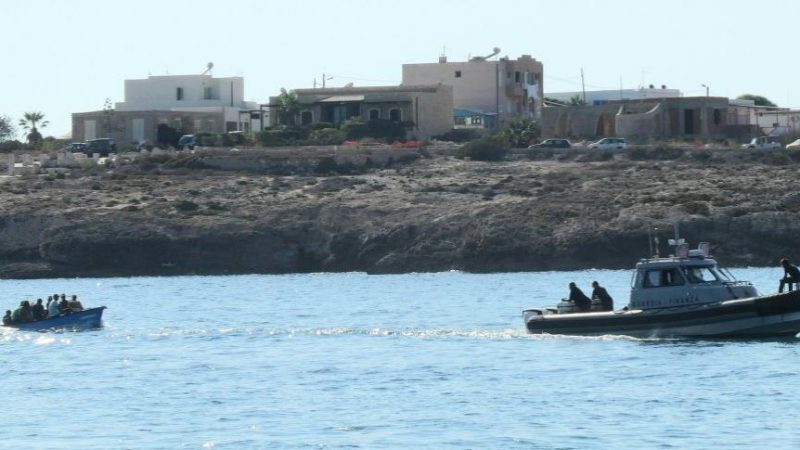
520,132
29,121
288,106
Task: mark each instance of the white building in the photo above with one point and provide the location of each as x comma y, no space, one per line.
601,97
161,108
189,93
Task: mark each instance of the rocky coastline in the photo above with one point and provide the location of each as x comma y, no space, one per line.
431,212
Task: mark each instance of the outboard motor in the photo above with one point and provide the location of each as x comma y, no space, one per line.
567,307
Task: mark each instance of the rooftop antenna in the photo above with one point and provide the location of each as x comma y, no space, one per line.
209,66
495,52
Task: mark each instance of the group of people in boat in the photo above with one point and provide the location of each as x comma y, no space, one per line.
584,303
56,306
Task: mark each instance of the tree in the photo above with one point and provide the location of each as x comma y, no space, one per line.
6,128
520,132
28,123
759,100
288,107
576,101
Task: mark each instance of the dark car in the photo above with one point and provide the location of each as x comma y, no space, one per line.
553,143
102,146
187,142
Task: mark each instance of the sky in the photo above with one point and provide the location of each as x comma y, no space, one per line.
61,57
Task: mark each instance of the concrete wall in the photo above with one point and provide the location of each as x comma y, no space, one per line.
692,117
121,125
614,95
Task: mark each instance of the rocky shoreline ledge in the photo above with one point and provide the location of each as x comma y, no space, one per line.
429,212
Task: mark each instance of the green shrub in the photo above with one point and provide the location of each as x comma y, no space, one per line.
386,130
459,135
326,136
283,136
488,148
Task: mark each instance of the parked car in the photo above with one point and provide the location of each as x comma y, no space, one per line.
764,142
75,147
795,144
102,146
187,142
553,143
609,144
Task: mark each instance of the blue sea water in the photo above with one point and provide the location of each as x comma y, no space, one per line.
360,361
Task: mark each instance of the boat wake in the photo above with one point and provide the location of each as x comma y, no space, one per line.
377,332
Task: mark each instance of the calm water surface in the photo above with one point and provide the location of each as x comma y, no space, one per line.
358,361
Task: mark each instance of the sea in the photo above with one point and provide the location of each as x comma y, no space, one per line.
357,361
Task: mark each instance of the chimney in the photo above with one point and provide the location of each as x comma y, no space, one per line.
442,59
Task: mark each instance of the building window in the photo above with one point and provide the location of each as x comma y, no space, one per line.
374,114
208,93
306,117
395,115
461,120
516,77
508,75
179,93
717,116
476,120
458,74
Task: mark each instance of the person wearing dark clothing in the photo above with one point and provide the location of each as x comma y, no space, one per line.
63,306
7,318
600,293
26,312
580,299
39,312
791,275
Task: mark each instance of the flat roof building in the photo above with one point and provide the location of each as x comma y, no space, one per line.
507,88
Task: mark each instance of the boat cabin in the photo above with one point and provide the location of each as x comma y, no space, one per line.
689,279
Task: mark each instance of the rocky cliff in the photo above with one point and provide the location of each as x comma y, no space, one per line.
546,212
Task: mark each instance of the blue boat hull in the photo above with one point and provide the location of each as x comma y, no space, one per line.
88,318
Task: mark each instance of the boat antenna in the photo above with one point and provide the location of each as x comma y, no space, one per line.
655,240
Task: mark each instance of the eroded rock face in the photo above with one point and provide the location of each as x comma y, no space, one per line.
433,215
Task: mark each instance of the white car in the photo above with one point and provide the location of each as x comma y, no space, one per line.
763,142
609,144
795,144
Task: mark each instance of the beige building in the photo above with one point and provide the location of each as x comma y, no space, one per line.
505,87
427,110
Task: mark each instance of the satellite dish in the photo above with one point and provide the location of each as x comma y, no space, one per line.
348,85
209,66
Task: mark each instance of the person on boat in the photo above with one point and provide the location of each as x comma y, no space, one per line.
74,304
580,299
7,318
791,274
23,313
39,312
63,305
52,309
600,293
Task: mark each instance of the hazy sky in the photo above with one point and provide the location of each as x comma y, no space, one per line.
69,56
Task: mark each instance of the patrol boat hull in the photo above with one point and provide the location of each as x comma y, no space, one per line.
80,320
763,316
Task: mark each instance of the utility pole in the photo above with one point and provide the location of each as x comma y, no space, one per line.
706,89
583,86
323,80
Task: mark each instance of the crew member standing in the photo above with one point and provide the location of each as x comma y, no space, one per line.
791,275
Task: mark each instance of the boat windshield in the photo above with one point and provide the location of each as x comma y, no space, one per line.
703,274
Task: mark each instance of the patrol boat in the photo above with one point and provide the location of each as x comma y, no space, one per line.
686,295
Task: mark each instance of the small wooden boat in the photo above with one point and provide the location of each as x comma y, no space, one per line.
79,320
